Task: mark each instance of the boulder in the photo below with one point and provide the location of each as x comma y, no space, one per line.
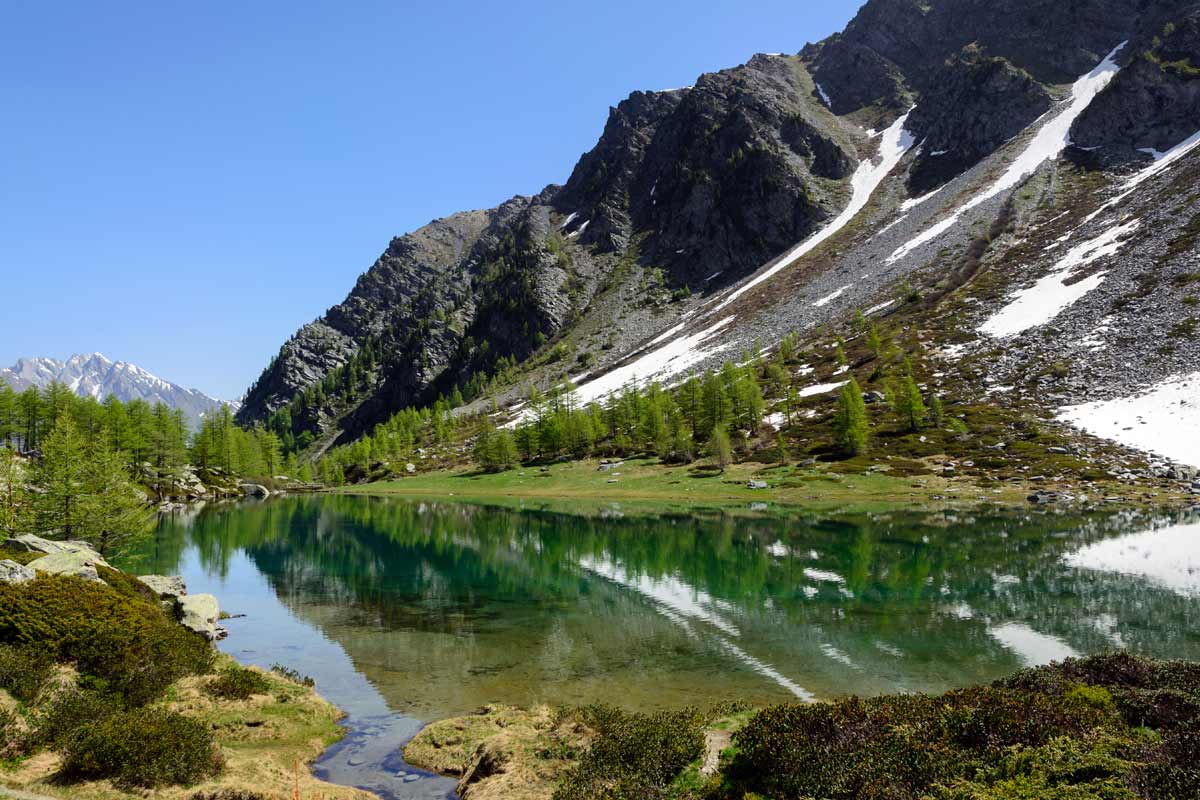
30,543
756,484
167,587
200,612
80,563
254,490
12,572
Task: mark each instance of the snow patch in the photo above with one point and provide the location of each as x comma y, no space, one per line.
824,97
829,298
820,388
896,142
1165,419
1048,297
1050,140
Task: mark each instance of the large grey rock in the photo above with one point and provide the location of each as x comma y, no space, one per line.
12,572
200,612
31,543
167,587
80,563
254,490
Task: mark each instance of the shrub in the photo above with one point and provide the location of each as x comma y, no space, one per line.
70,714
292,675
118,643
237,683
12,734
146,747
633,756
24,671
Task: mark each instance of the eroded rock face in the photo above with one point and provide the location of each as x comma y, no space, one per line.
1151,105
980,103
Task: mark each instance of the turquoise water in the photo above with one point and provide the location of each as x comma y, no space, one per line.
407,611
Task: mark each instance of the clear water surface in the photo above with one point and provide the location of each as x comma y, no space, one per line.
407,611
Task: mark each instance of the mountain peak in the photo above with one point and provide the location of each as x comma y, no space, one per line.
95,375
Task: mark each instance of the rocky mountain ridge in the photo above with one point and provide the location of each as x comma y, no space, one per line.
93,375
752,203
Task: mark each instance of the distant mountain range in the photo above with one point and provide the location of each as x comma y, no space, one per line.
93,375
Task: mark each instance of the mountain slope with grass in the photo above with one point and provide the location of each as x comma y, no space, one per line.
1008,184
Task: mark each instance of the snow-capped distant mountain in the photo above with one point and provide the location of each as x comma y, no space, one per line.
96,376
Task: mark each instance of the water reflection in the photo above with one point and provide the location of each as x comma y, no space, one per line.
441,608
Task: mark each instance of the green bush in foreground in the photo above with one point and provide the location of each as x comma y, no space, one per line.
634,756
145,747
24,671
1112,727
237,683
119,643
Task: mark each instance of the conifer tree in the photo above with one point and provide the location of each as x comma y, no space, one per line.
850,421
908,404
14,500
719,449
112,511
936,412
59,476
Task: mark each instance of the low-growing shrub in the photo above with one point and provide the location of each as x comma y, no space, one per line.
292,675
633,756
1070,730
117,642
12,734
24,671
146,747
69,714
237,683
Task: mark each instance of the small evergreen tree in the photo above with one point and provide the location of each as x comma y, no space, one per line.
850,421
113,511
719,448
908,404
936,412
59,477
14,500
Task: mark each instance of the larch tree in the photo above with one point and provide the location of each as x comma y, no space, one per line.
59,476
850,421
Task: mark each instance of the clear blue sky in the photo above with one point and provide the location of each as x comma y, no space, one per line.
183,184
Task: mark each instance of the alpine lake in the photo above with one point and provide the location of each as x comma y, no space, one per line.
406,611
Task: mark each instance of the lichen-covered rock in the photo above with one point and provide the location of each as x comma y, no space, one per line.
167,587
200,612
79,563
11,572
31,543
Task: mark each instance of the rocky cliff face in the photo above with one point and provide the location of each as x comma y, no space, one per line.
690,192
1151,105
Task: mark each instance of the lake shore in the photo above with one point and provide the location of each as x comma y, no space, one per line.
593,486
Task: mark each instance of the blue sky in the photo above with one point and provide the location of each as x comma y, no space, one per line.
185,184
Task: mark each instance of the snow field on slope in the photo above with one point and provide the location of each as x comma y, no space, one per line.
1165,419
677,355
1050,296
1050,140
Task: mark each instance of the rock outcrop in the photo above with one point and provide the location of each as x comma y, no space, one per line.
11,572
1151,105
